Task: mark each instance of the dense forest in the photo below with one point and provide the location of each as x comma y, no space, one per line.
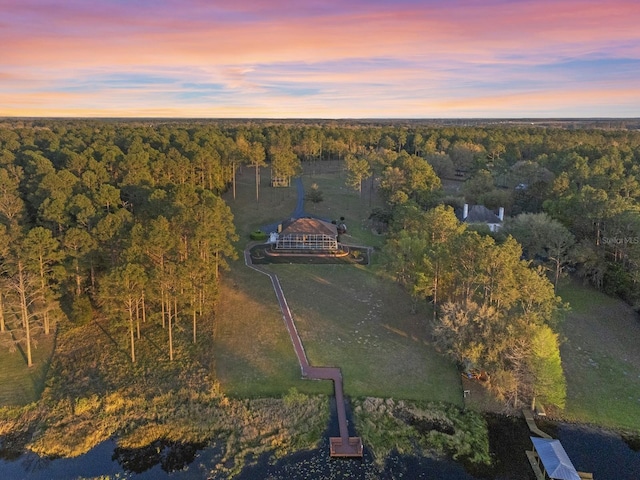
126,218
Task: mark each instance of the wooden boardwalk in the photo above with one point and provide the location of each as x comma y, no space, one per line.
344,445
528,416
533,461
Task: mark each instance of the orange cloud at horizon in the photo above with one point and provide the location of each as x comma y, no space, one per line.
521,104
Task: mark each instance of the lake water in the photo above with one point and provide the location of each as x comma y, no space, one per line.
604,454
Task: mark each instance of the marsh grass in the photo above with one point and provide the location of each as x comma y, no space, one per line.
157,399
387,425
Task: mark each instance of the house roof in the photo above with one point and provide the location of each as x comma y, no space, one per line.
481,214
554,458
309,226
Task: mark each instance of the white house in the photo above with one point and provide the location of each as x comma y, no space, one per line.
481,215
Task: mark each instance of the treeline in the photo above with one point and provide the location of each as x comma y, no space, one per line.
581,186
126,216
124,219
493,313
572,198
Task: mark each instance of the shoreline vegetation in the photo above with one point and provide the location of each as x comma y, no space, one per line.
240,386
182,404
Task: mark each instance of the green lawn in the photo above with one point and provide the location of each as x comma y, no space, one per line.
273,204
601,359
253,352
583,298
347,316
20,385
342,201
277,204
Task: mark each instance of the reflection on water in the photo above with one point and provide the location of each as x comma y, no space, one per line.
31,466
171,456
163,460
604,454
317,464
157,463
508,439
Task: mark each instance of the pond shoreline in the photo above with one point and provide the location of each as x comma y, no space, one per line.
508,436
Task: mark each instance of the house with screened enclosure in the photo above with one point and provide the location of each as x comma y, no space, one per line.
306,235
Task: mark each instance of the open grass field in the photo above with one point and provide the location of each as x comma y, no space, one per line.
601,359
347,316
19,384
342,201
253,352
272,205
352,318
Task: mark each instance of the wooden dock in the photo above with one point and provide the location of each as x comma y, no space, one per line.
532,456
533,460
353,447
528,416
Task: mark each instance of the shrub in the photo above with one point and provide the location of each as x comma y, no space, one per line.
387,425
258,235
81,310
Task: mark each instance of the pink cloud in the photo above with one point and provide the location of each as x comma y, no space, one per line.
424,51
93,36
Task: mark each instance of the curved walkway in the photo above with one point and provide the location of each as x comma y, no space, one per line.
342,446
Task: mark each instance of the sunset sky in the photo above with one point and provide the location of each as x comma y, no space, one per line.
320,58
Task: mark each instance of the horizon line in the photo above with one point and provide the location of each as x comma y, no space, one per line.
389,118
